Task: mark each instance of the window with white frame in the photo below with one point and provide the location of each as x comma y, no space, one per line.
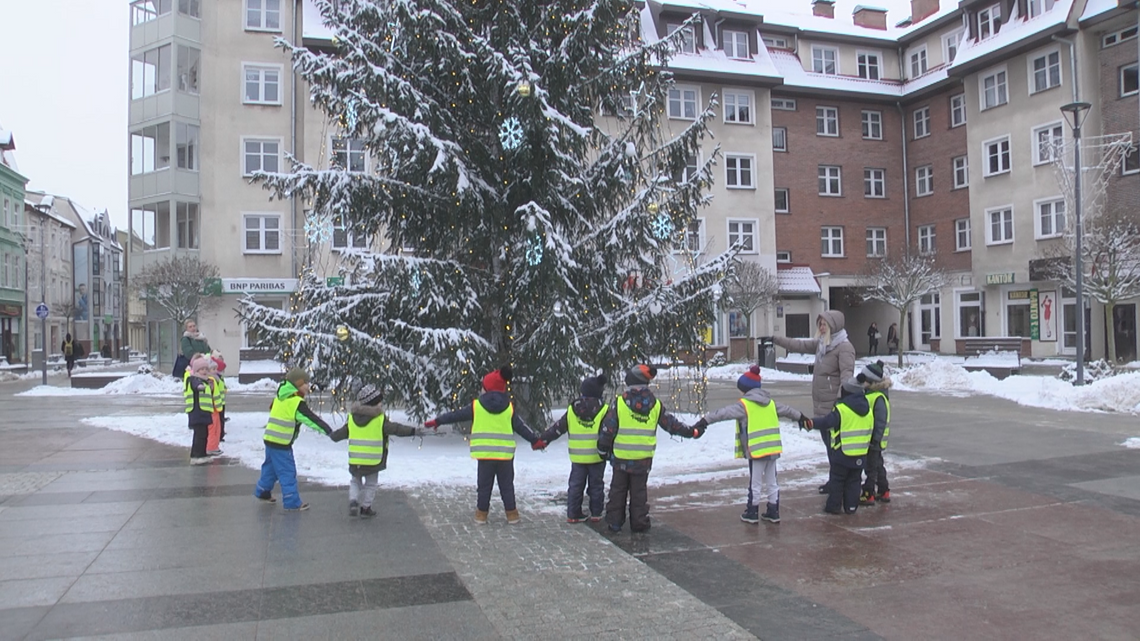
950,44
989,21
1047,142
263,15
1129,80
779,138
873,125
961,234
993,90
1050,218
783,256
926,239
831,242
683,103
187,222
825,60
261,154
150,149
876,242
188,64
695,235
1116,37
150,72
869,65
783,200
738,171
918,62
147,10
958,110
349,154
999,228
688,171
190,8
344,239
186,145
961,169
829,180
826,121
784,104
970,317
262,84
1045,71
776,42
742,234
688,42
1037,7
738,107
922,122
924,180
1131,164
735,44
874,183
996,153
262,233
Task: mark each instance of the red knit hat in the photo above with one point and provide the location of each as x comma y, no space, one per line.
496,381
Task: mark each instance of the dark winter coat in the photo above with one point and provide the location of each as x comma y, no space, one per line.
737,412
830,423
200,415
362,414
880,411
495,403
641,401
585,408
831,369
304,416
194,344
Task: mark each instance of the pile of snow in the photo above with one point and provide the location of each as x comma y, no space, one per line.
1133,443
146,384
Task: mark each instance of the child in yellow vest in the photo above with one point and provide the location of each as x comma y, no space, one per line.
214,438
367,431
582,420
221,395
758,440
197,394
876,488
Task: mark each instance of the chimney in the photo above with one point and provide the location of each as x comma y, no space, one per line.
922,9
823,8
870,17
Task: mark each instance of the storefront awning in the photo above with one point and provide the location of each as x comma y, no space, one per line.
797,280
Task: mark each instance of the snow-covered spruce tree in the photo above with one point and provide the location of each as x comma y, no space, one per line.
525,207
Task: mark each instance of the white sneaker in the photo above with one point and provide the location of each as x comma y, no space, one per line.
214,453
201,460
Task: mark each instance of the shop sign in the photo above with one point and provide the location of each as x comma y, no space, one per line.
999,279
1021,294
1034,317
259,285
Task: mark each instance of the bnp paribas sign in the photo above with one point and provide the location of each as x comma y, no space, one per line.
259,285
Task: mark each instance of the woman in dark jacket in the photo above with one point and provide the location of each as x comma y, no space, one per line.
193,342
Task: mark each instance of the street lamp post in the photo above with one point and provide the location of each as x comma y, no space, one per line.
45,208
1075,113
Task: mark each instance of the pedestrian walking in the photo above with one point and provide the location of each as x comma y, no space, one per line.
70,351
893,339
286,416
197,394
848,430
876,488
873,339
583,420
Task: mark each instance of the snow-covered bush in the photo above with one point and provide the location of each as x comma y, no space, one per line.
1094,371
718,359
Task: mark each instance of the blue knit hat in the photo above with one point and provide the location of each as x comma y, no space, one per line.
749,380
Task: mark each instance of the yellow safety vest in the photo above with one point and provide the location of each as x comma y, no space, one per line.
854,434
763,430
281,428
636,437
492,435
583,436
872,398
366,442
220,393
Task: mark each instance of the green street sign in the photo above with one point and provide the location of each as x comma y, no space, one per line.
212,287
334,281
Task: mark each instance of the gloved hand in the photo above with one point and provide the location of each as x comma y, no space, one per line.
604,454
538,445
805,422
699,428
433,424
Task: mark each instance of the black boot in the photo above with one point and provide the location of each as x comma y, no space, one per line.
772,514
751,514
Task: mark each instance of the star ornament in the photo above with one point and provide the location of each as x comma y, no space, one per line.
635,99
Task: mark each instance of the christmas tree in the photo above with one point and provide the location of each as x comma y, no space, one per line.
528,190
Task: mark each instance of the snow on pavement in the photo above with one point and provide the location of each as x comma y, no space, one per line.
145,384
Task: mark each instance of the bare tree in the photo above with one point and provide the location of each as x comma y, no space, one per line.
749,287
901,281
66,311
177,285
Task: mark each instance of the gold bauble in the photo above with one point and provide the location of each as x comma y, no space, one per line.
653,208
524,89
341,333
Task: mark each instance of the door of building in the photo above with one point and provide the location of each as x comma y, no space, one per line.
930,319
1124,330
1069,328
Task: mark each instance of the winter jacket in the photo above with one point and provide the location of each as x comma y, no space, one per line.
641,401
304,416
362,414
737,412
202,412
585,408
829,423
831,369
495,403
194,344
881,414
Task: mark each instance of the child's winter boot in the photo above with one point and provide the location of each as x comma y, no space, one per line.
772,513
367,512
353,508
866,498
513,517
885,497
480,517
751,514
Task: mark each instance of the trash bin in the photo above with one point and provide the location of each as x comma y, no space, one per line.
766,352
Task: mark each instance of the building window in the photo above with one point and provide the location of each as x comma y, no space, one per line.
1036,7
826,121
779,138
1045,71
1047,142
343,239
970,314
926,239
187,214
186,145
151,224
695,235
950,44
150,72
147,10
737,107
918,64
742,234
688,42
261,155
989,21
1050,218
831,242
1131,163
924,180
1117,37
922,122
150,149
263,15
262,233
962,234
262,85
349,154
784,104
993,90
189,62
735,44
683,103
1017,315
996,153
1129,80
190,8
874,183
873,125
829,181
961,172
876,241
776,42
825,60
688,171
783,256
783,201
1000,228
869,66
738,172
958,110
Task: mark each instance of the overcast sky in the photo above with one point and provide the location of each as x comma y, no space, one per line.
63,95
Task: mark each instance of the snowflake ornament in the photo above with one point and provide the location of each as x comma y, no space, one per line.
662,227
349,119
511,134
534,251
415,283
319,229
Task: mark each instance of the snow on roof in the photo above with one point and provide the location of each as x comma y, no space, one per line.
34,199
7,150
1096,7
312,25
1011,33
715,60
796,280
799,15
789,66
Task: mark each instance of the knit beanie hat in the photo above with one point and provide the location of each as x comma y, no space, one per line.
370,395
199,365
220,362
872,373
297,376
853,386
497,380
749,380
640,374
594,386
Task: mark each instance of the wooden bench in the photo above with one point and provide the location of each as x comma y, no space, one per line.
977,346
